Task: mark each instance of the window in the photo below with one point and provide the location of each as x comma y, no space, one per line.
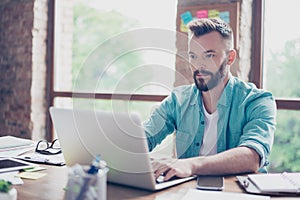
107,40
113,50
281,75
275,60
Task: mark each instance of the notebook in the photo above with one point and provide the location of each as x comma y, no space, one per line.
272,183
118,137
277,182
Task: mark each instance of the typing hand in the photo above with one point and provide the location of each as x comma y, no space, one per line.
171,168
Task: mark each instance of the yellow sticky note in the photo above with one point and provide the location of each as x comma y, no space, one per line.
213,13
183,27
31,175
34,169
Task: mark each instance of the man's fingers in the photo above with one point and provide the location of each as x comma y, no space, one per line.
163,167
170,174
162,170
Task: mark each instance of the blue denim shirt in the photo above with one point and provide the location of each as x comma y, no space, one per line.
247,117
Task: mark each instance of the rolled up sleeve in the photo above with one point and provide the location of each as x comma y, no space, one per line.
258,132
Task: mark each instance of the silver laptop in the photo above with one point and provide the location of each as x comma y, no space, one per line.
118,137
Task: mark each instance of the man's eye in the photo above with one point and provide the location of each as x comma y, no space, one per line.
192,56
209,55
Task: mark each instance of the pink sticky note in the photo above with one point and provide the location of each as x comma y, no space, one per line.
202,14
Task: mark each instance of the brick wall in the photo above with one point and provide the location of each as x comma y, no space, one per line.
15,67
22,65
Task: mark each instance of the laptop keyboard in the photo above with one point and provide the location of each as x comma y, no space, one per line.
160,179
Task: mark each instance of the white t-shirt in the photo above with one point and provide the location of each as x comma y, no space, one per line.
209,142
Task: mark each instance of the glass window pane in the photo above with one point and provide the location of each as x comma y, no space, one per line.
282,48
143,108
285,154
112,46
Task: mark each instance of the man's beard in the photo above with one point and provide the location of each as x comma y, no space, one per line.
213,81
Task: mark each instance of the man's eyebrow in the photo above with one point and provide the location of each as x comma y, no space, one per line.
207,51
210,51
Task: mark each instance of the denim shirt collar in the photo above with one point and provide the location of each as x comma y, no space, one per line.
227,94
196,95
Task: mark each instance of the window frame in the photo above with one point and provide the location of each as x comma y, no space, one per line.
256,75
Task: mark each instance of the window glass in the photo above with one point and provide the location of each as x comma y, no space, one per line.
285,154
282,48
142,108
115,46
282,78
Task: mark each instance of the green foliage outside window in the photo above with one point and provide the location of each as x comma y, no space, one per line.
92,29
283,76
93,45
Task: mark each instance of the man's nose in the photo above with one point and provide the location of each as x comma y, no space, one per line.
197,66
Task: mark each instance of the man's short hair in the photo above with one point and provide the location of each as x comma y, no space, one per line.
199,27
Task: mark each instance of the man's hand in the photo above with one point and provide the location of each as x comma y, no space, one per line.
171,167
232,161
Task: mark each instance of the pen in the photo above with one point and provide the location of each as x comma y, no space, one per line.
93,170
95,165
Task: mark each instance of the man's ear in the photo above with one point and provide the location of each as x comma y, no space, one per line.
231,56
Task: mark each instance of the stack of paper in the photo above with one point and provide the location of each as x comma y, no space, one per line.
7,142
11,146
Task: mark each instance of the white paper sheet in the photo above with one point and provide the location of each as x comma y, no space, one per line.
41,158
15,152
194,194
7,142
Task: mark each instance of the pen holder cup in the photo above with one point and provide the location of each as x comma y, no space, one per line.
87,186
